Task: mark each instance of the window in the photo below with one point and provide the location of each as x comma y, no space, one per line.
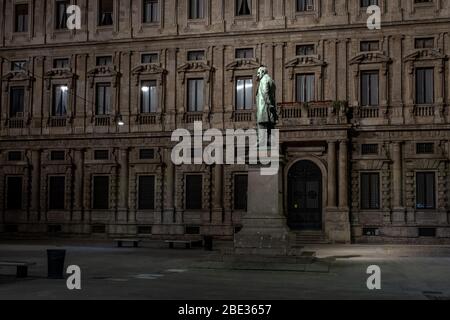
246,53
424,86
60,99
147,154
194,189
61,63
103,99
240,192
370,191
146,193
305,87
369,88
149,96
305,50
195,95
149,58
151,11
100,193
21,18
14,193
105,12
244,93
305,5
56,193
425,148
104,61
15,156
196,9
101,154
369,149
243,7
366,46
19,66
61,14
57,155
424,43
196,55
368,3
16,106
425,190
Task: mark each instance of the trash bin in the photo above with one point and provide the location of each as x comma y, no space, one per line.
208,240
55,260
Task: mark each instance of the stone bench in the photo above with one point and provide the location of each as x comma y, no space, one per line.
135,242
22,267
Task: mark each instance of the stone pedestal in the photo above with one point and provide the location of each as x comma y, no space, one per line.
264,229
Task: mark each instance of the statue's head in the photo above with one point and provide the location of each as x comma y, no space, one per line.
262,71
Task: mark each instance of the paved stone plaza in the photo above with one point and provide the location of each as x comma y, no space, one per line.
155,272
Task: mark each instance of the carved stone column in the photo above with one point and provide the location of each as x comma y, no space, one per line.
123,191
218,194
36,186
78,184
332,174
343,174
169,194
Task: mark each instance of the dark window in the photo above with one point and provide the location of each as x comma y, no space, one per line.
146,193
14,193
305,50
60,100
101,154
196,55
21,18
57,155
105,14
427,232
61,14
370,191
149,58
56,193
305,5
305,87
369,46
369,149
16,102
243,7
424,86
147,154
194,189
196,9
425,190
98,228
103,99
61,63
15,156
246,53
149,97
144,229
151,11
100,193
369,88
104,61
19,65
192,230
240,192
368,3
195,95
424,43
244,93
425,148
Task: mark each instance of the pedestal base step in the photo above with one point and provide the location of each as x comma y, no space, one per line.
300,238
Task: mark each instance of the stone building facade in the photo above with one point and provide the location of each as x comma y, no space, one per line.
86,116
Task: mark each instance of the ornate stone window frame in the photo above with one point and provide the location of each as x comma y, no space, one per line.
195,70
154,170
149,25
31,10
19,78
51,10
149,72
56,171
115,26
312,64
370,61
296,15
180,190
59,76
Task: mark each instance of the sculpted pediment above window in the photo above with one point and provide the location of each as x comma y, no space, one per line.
371,57
242,64
56,74
196,66
18,76
425,54
148,69
306,61
103,71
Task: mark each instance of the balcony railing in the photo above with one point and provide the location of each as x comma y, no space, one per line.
243,116
57,122
147,119
191,117
16,123
423,111
369,112
102,121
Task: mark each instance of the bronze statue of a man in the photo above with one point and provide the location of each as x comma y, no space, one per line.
266,106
